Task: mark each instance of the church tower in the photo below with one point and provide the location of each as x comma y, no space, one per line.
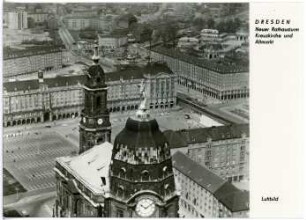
95,126
141,177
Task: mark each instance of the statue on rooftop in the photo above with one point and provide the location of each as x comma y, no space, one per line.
142,110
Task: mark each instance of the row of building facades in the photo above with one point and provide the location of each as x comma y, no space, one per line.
221,81
48,99
204,194
30,60
222,149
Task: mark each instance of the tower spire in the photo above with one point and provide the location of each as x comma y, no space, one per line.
96,56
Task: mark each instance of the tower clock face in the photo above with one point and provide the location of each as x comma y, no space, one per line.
100,121
145,207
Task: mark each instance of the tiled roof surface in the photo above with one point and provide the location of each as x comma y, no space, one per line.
198,173
138,134
219,66
234,199
21,85
31,51
59,81
138,72
201,135
175,139
65,80
50,82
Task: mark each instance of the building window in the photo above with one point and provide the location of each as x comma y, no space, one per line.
122,172
145,175
120,213
98,103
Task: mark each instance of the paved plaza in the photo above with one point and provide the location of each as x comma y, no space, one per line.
30,151
29,157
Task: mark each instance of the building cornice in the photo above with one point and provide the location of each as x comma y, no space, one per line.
97,89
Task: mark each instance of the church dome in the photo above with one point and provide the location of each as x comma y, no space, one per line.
141,158
141,134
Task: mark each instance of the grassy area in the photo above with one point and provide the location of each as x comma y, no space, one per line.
10,184
11,213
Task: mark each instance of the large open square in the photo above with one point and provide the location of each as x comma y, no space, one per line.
29,157
29,152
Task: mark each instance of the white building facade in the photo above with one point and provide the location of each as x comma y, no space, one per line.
18,20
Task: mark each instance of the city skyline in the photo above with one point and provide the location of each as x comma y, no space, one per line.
141,95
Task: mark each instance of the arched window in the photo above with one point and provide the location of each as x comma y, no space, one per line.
145,175
165,171
166,188
120,190
122,172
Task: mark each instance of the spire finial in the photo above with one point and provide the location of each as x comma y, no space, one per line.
95,56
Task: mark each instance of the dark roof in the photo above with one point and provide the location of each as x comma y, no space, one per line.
138,134
127,17
38,13
226,193
175,140
60,81
211,47
21,85
136,72
50,82
198,173
117,33
233,198
219,66
30,51
201,135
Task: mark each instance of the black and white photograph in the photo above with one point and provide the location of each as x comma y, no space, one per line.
126,110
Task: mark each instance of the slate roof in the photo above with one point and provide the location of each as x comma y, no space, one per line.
201,135
50,82
21,85
226,193
135,72
175,139
138,134
196,172
30,51
234,199
59,81
65,81
219,66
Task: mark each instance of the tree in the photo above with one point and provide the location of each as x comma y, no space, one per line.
146,34
211,23
198,23
168,33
